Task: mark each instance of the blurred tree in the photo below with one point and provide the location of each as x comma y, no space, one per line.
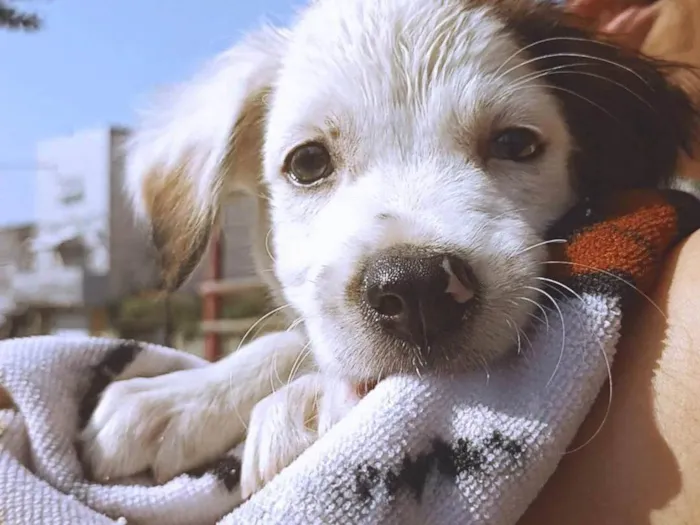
13,18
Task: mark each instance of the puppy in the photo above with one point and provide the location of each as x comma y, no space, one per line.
409,157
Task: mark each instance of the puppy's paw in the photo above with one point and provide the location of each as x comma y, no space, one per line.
168,425
286,423
173,423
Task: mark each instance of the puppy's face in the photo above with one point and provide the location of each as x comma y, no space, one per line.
415,153
412,167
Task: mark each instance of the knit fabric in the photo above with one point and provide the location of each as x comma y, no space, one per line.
474,449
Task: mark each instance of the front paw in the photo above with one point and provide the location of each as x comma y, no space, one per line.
168,425
286,423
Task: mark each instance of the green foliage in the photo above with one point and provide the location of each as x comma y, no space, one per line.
15,19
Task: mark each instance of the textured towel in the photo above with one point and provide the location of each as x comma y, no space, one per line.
473,449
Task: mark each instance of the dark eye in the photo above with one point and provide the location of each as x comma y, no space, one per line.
309,163
517,144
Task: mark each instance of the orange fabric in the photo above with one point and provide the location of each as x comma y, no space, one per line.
624,235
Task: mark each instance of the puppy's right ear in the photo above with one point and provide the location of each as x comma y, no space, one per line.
203,140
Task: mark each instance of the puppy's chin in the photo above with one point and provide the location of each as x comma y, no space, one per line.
372,356
377,355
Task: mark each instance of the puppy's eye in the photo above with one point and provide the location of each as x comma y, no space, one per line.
516,144
308,164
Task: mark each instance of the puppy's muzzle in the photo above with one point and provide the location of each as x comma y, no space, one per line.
418,298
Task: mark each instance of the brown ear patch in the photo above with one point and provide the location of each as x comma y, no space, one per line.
180,223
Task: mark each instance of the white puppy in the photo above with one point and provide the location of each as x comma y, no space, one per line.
409,156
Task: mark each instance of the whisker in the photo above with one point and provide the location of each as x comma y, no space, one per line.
485,366
294,324
426,346
305,351
525,336
535,317
536,73
275,386
418,372
563,330
557,283
552,39
576,55
267,245
521,332
572,93
235,406
538,305
256,323
618,278
543,243
636,95
608,408
607,366
515,328
240,417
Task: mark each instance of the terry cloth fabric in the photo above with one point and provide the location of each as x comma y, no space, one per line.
470,450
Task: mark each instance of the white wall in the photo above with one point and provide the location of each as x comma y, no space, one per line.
75,166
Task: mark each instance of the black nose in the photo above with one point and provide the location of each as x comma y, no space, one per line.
418,298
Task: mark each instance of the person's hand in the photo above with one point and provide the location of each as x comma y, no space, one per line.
627,22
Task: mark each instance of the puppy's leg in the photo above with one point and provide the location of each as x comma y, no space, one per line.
175,422
287,422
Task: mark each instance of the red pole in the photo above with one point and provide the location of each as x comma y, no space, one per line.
211,309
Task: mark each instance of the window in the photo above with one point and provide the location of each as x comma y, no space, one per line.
71,190
71,252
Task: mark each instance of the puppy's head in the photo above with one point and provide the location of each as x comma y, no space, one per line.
415,153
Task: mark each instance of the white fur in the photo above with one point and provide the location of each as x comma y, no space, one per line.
173,423
402,91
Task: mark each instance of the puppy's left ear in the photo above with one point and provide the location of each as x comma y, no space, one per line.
628,120
201,142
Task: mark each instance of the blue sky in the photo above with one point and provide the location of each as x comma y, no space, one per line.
93,63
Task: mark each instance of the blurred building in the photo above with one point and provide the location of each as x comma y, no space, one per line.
15,257
84,252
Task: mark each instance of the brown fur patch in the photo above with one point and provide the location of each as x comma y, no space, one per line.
179,226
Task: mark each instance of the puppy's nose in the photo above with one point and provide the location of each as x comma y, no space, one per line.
418,298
